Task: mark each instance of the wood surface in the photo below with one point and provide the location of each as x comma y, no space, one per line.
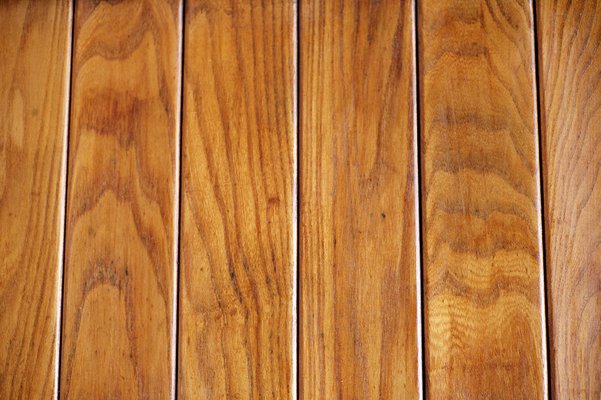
483,304
237,201
569,38
118,319
232,333
358,316
34,68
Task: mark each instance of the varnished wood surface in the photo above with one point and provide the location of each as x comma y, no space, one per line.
358,315
237,192
569,36
484,309
225,326
121,203
34,67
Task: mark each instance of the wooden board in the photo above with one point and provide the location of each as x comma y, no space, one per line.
483,304
237,201
358,317
118,319
569,36
34,78
34,67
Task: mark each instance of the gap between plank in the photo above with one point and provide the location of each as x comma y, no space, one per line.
295,385
536,89
63,201
178,206
419,273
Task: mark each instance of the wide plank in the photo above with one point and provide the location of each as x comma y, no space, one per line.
569,39
120,261
237,232
359,331
483,304
34,76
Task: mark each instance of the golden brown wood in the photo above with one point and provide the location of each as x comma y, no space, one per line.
358,228
569,34
236,250
120,252
34,65
484,311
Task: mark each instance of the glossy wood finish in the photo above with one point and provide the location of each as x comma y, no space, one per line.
34,68
569,36
122,196
225,326
358,315
237,201
484,308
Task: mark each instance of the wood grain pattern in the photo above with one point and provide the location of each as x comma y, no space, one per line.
484,308
121,203
569,35
237,188
358,260
34,66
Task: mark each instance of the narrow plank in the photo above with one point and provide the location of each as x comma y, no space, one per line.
34,68
569,36
359,313
237,201
118,318
483,304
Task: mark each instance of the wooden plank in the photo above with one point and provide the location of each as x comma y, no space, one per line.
34,68
237,205
359,313
483,304
118,319
569,36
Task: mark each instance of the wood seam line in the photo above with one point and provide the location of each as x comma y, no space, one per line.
63,200
177,205
419,292
296,199
541,198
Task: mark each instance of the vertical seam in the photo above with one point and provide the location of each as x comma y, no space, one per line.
544,293
296,207
64,195
178,208
422,371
